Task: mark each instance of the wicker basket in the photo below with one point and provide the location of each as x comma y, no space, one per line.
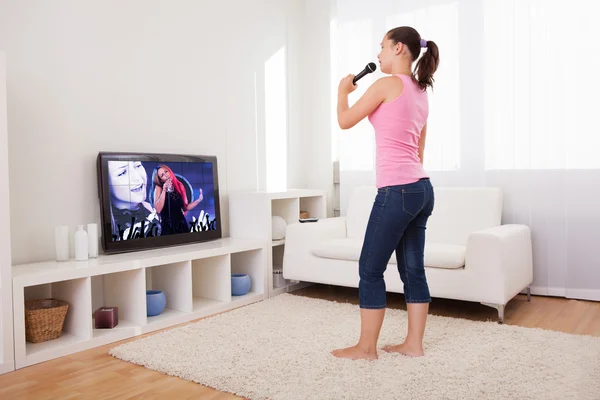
44,319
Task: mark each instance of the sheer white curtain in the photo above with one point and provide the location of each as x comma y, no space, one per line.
514,106
541,63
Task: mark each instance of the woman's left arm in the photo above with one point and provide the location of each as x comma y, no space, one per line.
369,101
194,203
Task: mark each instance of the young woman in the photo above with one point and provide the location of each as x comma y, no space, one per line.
397,107
170,201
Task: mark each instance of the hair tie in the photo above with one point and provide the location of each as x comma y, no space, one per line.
423,43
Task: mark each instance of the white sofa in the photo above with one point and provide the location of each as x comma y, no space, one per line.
469,254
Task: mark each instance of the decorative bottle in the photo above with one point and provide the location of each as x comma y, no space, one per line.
61,243
92,232
81,244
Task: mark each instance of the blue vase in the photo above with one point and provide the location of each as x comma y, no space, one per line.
240,284
155,302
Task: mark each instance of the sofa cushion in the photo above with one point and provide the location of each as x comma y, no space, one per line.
359,210
341,249
448,256
436,255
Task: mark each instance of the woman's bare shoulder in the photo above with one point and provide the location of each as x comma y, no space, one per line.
390,87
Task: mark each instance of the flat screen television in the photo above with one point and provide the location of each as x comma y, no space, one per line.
155,200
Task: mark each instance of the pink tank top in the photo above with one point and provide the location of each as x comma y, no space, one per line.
398,126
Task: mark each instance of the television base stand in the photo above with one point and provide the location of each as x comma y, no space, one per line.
195,278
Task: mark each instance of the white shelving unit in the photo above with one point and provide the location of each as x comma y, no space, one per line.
196,280
6,325
250,215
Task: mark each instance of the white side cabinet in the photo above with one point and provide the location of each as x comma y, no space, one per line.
251,215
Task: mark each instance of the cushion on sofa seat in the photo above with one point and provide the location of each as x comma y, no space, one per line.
448,256
341,249
436,255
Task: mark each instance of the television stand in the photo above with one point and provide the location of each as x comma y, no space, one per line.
196,279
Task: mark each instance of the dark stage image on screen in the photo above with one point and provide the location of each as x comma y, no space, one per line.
149,199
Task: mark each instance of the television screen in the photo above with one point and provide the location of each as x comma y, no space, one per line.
154,200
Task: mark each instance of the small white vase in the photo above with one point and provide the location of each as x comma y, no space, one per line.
61,243
81,244
92,232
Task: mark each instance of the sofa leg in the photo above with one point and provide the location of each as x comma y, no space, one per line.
500,308
528,293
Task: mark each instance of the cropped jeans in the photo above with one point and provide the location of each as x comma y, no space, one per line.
397,223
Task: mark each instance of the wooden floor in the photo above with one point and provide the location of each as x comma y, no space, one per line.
93,374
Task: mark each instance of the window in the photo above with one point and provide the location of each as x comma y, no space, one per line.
351,48
276,121
354,42
540,84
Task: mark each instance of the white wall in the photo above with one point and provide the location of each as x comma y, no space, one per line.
6,331
297,136
317,96
147,76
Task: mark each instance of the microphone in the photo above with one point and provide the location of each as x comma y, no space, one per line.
371,67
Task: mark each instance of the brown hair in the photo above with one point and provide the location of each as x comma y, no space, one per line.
428,63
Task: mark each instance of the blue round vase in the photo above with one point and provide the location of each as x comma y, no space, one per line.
240,284
155,302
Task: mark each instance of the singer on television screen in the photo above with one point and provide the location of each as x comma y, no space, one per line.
170,200
178,198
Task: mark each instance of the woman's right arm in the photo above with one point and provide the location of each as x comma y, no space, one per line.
369,101
160,203
422,143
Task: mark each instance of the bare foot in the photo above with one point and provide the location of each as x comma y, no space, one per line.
355,353
407,350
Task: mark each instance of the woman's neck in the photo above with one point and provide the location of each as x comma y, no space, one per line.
403,68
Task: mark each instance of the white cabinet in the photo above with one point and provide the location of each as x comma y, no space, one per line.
250,215
195,278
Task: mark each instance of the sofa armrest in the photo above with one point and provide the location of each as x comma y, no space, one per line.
503,254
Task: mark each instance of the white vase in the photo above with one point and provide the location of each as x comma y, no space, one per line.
278,227
61,243
92,232
81,244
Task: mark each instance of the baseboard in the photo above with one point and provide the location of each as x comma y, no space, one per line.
8,366
578,294
584,294
548,291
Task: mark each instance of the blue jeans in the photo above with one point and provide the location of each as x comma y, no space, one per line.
397,222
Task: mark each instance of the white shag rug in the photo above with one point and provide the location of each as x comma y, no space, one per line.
280,349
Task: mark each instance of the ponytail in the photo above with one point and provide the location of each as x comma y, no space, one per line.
429,61
427,65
